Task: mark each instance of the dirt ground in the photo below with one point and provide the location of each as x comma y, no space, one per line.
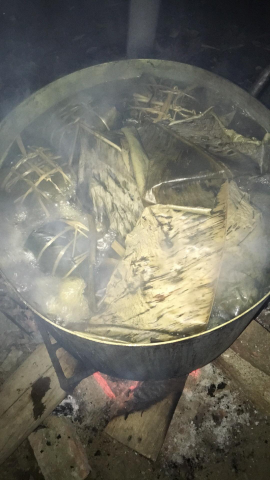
215,433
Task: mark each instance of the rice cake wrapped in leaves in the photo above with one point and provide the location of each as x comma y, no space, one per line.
209,132
61,247
38,180
242,279
172,157
172,257
114,193
65,126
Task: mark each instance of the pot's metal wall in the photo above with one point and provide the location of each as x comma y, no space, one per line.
154,361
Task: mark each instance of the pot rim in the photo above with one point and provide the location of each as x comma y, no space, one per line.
115,343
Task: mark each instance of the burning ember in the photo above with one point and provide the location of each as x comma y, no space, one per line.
134,395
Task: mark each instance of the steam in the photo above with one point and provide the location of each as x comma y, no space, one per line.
42,290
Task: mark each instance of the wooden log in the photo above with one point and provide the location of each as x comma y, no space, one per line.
145,431
29,396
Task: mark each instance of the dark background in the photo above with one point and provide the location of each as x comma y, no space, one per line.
42,40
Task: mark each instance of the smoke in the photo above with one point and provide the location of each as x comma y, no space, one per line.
143,19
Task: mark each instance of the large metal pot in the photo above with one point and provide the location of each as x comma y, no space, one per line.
153,361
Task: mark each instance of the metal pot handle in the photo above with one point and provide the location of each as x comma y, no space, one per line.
261,82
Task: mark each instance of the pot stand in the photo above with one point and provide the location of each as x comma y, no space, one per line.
67,384
142,431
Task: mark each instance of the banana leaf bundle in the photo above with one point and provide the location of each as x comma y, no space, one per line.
172,257
172,157
138,158
242,276
183,268
208,131
158,100
61,247
113,190
66,126
38,179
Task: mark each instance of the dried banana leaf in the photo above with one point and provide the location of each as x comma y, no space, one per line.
165,285
158,99
139,159
63,128
61,247
182,111
114,193
172,157
189,193
208,131
37,176
242,274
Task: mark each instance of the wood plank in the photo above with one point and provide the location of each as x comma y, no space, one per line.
253,345
264,318
145,431
29,396
254,383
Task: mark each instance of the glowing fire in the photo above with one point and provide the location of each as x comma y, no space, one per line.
104,384
135,384
130,386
